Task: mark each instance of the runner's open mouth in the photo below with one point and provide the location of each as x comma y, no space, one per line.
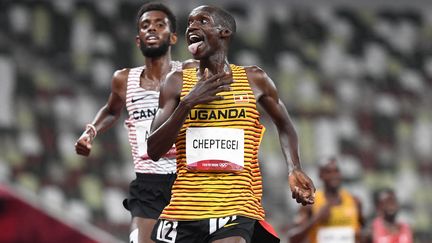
151,39
194,42
194,38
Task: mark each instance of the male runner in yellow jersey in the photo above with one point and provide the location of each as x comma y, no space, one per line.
210,112
336,215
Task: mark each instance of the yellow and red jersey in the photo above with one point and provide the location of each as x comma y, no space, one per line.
201,194
344,218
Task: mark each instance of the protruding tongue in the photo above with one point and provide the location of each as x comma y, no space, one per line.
194,47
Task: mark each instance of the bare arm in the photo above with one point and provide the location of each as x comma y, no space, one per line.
266,94
302,225
172,112
168,119
362,234
107,115
362,220
111,111
305,220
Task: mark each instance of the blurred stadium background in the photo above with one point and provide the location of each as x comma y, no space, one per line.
356,77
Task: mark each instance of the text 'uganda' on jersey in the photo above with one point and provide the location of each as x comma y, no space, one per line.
201,194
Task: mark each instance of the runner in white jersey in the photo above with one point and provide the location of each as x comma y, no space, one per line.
138,90
142,105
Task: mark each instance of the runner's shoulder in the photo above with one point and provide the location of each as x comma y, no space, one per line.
254,70
121,74
119,78
190,63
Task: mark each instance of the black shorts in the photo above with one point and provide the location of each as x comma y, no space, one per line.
149,194
203,231
264,232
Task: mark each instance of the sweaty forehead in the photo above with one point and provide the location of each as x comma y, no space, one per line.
154,15
201,11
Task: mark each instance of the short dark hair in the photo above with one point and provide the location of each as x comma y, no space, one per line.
322,163
223,18
377,194
153,6
226,19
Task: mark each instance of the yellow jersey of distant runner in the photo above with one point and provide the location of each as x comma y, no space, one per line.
343,224
217,155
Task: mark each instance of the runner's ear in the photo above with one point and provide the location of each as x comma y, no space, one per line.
137,41
173,38
224,32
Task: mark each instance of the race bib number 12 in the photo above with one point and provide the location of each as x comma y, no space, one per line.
214,149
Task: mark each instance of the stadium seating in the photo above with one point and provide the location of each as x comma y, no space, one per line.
356,81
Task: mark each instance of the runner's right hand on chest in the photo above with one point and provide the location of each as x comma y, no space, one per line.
207,88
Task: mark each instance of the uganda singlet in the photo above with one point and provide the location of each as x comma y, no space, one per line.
343,223
142,105
200,194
